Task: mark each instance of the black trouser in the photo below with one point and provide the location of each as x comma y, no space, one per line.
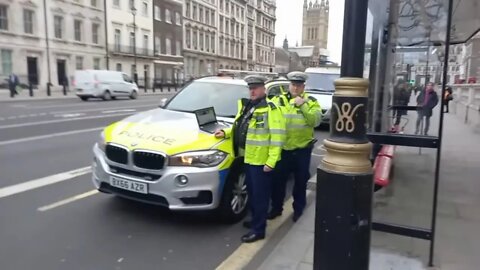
420,117
447,102
13,92
297,162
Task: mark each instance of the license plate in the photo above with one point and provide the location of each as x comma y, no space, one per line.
129,185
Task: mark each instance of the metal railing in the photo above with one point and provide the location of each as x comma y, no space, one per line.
131,50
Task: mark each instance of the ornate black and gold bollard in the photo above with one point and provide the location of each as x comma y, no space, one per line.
345,184
344,178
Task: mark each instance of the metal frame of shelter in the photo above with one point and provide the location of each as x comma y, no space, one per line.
434,142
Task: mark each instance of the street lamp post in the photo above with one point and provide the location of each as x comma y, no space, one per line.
344,178
134,13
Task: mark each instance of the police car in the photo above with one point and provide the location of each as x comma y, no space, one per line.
163,157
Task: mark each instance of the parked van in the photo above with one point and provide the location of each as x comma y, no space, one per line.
320,85
104,84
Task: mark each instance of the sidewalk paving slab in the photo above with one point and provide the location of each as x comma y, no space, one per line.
408,201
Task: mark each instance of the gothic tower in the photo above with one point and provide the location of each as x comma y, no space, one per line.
315,24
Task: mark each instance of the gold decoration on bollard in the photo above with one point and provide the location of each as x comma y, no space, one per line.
343,157
346,157
345,117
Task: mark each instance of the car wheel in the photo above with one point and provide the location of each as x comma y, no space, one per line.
84,98
133,95
233,205
107,95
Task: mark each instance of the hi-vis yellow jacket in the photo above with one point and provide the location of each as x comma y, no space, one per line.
265,135
300,121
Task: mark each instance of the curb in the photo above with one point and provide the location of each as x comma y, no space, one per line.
56,97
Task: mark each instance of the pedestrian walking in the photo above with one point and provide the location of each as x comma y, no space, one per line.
302,113
258,134
426,101
401,97
448,97
12,84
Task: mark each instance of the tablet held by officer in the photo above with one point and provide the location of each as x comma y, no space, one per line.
258,134
302,113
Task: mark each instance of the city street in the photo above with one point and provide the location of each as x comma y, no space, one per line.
52,218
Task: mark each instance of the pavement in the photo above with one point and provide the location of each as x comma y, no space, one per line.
52,218
57,93
408,201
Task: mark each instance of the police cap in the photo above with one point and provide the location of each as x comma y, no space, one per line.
297,76
255,80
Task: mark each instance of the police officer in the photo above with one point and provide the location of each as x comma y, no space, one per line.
302,113
259,133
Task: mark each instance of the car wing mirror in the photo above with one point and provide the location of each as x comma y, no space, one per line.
163,103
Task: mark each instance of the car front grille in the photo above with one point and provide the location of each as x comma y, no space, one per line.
145,176
116,154
148,160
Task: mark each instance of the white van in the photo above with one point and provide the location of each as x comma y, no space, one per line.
103,84
320,85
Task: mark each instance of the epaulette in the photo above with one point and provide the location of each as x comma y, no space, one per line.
272,105
312,98
244,101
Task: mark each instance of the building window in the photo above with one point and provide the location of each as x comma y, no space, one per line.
158,45
6,58
116,3
178,18
201,17
78,30
187,10
79,62
201,41
187,38
145,44
96,63
131,4
132,41
168,16
168,46
3,17
157,13
221,24
93,3
194,15
119,67
212,20
212,43
58,26
178,47
145,9
195,40
95,28
207,17
117,39
207,42
28,21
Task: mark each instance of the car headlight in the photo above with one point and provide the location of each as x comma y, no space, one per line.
202,159
101,141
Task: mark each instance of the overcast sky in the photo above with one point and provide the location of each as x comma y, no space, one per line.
289,23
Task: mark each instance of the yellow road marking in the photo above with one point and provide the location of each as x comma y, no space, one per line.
68,200
245,252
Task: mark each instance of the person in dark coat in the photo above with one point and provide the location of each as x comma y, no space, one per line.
401,97
426,101
448,97
12,84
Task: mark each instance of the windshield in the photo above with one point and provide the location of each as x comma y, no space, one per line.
321,81
197,95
